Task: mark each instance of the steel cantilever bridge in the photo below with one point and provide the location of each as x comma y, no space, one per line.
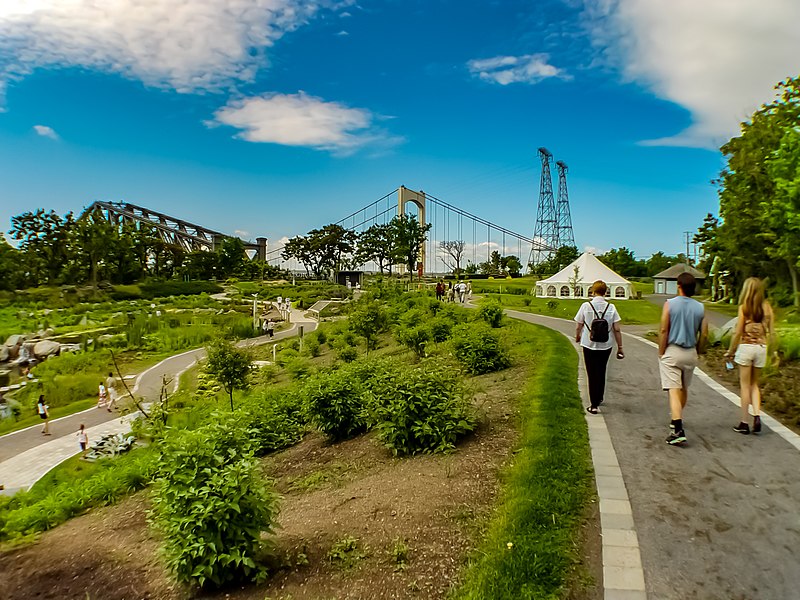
478,237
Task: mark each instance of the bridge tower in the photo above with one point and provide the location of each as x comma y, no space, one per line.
564,234
404,196
546,230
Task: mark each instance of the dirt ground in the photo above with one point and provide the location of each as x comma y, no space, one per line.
780,385
410,525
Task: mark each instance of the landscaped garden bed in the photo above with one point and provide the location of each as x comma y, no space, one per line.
385,493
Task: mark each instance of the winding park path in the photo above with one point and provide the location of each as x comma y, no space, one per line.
718,518
26,455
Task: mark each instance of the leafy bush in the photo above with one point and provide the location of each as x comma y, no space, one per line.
211,505
368,321
298,368
321,336
311,346
272,421
416,338
419,409
286,355
491,312
479,348
441,328
347,354
334,403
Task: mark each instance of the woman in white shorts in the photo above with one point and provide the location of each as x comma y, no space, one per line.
754,329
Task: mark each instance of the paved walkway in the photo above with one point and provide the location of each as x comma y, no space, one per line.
716,519
27,455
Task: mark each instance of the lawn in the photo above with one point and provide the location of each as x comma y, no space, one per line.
633,312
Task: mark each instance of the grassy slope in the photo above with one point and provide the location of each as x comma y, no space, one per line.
546,488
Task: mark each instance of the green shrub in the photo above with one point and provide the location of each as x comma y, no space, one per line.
321,336
335,404
311,346
440,328
212,506
479,348
298,368
272,421
491,312
347,354
286,355
415,338
419,409
368,321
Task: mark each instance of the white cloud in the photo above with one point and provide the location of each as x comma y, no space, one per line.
342,33
241,233
302,120
45,131
719,59
528,68
187,45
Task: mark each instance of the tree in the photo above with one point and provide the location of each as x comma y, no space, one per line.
454,250
231,257
321,250
575,280
782,211
511,264
377,244
560,259
752,193
10,263
43,244
410,236
229,365
624,262
659,262
91,243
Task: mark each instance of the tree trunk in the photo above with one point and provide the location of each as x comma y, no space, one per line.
231,394
793,274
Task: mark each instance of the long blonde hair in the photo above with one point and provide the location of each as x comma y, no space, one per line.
752,299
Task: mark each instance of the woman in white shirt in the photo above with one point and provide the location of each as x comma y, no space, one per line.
594,336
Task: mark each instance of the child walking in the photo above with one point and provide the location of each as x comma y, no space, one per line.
83,438
44,413
102,397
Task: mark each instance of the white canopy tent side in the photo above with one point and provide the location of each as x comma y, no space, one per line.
572,283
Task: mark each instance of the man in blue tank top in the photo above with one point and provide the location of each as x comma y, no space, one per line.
683,335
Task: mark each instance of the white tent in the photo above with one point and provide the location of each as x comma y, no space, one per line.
569,283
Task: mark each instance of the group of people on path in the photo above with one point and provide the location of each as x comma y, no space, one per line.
107,393
461,290
683,334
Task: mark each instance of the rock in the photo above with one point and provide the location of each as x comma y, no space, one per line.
15,340
46,348
4,353
716,334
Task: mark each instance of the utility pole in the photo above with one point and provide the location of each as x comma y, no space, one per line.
686,235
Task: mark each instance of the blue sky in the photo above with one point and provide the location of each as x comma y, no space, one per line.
272,117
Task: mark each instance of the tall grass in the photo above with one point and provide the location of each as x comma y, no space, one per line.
530,548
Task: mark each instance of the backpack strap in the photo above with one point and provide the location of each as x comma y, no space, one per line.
603,316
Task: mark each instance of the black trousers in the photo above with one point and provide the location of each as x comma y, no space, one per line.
596,361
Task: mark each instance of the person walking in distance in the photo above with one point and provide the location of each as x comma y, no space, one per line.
595,320
682,337
754,329
83,438
102,396
270,327
111,389
44,414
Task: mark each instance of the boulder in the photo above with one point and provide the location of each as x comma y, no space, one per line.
4,353
716,334
45,333
46,348
15,340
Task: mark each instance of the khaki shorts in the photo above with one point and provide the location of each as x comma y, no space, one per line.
677,367
751,355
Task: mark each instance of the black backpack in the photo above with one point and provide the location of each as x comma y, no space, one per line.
598,330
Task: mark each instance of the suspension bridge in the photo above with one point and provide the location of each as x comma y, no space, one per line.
475,238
